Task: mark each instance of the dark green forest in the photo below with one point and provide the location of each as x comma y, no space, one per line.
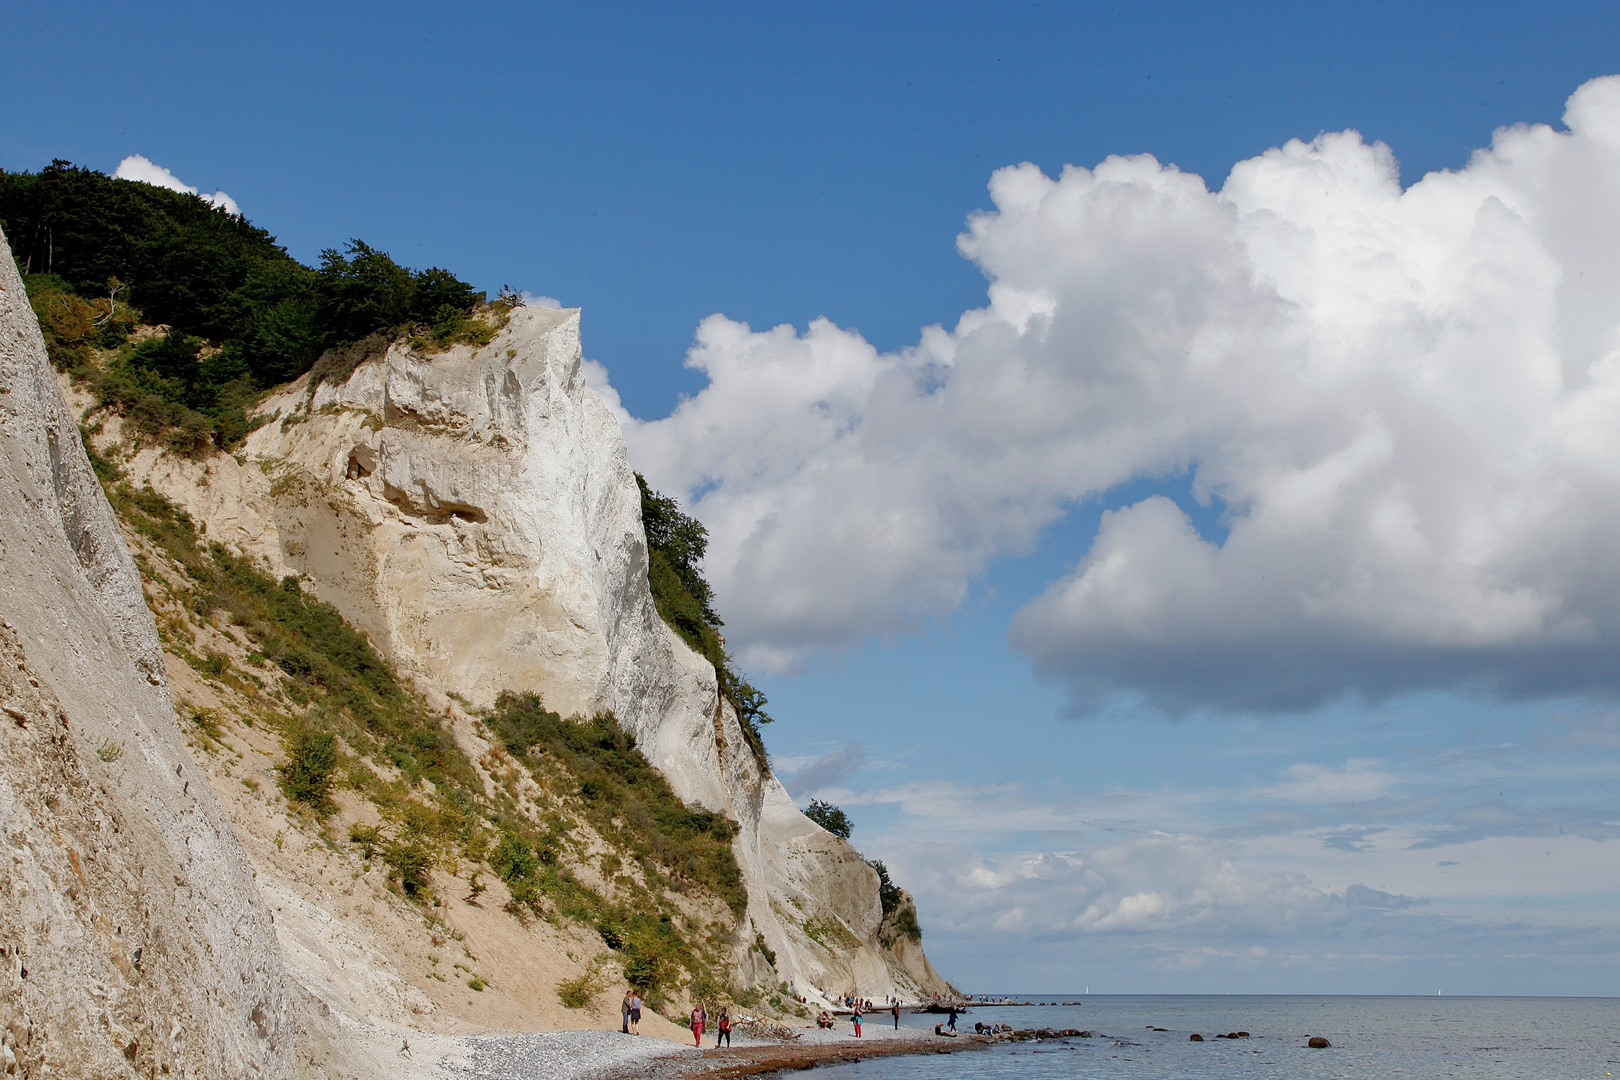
100,255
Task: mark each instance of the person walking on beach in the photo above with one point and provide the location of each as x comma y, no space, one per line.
699,1018
951,1023
635,1013
624,1014
722,1030
895,1008
857,1021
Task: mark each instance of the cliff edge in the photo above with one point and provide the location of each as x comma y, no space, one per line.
133,940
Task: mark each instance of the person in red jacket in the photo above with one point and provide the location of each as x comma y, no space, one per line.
722,1031
699,1018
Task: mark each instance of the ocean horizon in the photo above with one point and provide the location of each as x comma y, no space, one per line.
1141,1036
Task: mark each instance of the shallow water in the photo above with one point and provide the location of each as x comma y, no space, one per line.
1374,1038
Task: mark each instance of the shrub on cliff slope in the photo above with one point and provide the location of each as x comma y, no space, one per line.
625,797
676,544
312,758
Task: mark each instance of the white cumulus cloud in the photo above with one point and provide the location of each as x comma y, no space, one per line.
1407,402
138,167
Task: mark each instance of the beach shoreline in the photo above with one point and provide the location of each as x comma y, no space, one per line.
766,1058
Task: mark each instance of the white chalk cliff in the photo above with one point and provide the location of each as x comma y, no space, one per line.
133,939
475,513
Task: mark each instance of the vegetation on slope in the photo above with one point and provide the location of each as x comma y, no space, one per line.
899,919
100,255
676,544
350,724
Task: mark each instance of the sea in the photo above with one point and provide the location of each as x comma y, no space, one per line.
1374,1038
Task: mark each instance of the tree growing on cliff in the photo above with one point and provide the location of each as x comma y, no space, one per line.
830,817
676,544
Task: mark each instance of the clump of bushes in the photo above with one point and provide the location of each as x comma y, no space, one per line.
368,837
312,758
576,993
73,326
408,861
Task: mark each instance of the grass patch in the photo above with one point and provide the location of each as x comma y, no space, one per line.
625,798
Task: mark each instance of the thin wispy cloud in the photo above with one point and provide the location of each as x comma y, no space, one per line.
808,777
1357,780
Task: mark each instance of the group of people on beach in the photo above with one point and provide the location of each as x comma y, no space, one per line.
630,1020
630,1017
630,1013
859,1008
722,1028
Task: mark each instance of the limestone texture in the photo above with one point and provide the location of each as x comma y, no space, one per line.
475,513
133,939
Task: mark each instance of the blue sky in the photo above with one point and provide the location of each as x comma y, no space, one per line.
1362,804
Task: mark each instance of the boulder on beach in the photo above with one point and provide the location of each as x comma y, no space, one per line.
1316,1042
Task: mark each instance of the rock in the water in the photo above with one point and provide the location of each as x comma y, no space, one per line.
1195,1037
1318,1043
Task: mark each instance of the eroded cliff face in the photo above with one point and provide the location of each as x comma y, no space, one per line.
133,940
475,513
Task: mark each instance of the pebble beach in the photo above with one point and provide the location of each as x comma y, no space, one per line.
600,1055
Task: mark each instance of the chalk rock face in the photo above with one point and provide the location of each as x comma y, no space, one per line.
132,938
474,511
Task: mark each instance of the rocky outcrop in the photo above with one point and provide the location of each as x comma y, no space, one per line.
133,940
475,513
